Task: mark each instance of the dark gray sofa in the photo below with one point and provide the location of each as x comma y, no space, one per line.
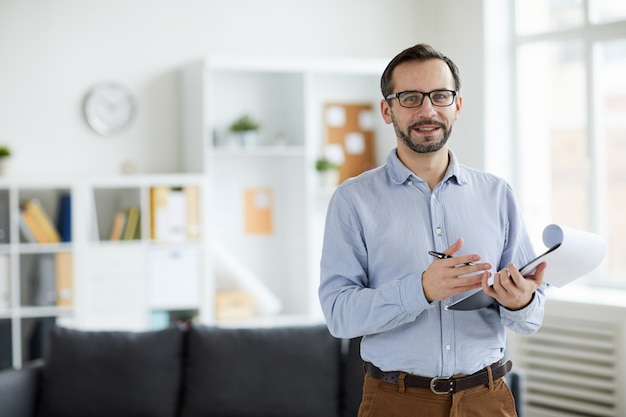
294,371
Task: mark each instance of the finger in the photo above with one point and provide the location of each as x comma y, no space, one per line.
538,275
502,281
454,248
468,266
468,283
516,277
488,289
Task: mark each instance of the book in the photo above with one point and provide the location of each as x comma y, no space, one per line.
571,254
41,217
159,218
31,230
117,228
174,214
132,229
64,273
43,281
64,217
177,215
193,212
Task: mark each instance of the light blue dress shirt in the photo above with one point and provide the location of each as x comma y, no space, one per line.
379,229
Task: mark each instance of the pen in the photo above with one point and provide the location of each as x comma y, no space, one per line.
440,255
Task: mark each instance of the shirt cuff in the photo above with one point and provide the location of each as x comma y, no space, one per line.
412,294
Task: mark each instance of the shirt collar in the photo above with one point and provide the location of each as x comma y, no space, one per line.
400,173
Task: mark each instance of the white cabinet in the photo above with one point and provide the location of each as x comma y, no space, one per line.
265,207
173,277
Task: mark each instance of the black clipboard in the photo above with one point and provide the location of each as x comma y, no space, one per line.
479,299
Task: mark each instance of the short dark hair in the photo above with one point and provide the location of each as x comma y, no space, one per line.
419,52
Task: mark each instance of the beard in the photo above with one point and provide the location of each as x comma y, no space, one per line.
405,137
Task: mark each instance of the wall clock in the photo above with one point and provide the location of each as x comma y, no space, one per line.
109,108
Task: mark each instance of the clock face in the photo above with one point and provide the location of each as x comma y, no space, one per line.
109,109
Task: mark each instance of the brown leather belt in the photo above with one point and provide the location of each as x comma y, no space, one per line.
440,385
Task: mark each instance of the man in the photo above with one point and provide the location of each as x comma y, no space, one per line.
379,281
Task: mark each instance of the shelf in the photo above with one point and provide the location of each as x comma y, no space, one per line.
89,282
264,203
258,151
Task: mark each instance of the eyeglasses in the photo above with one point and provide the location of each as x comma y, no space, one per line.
410,99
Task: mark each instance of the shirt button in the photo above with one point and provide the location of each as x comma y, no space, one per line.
410,182
448,347
438,231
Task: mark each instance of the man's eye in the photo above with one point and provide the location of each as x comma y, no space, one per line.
441,95
411,98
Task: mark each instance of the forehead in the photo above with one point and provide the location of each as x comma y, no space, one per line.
426,75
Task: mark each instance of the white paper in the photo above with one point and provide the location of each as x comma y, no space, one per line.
355,143
262,200
366,120
571,254
577,254
334,153
336,116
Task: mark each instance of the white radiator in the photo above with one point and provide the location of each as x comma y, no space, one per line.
574,365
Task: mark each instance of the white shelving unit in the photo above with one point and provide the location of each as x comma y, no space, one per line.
114,284
287,96
134,284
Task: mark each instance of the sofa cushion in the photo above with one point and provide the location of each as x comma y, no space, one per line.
104,374
262,372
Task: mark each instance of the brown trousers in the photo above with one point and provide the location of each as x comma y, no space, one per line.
382,399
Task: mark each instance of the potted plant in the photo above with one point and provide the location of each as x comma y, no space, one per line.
245,128
328,172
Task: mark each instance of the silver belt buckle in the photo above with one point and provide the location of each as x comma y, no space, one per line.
433,382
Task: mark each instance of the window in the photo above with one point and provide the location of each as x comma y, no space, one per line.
571,117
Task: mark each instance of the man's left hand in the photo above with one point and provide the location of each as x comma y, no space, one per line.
511,289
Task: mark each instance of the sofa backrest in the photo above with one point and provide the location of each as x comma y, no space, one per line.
104,374
291,371
262,372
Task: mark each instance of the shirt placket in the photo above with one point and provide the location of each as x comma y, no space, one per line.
447,318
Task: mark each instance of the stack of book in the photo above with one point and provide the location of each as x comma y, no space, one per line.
126,225
52,282
35,223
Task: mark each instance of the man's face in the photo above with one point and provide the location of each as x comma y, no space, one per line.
426,128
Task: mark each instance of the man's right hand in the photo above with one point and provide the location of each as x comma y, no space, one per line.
447,277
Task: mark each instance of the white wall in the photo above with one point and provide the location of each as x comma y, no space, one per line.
53,51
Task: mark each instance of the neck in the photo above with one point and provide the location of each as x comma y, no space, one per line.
431,167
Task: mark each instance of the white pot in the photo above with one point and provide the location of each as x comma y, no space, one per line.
249,137
329,178
5,167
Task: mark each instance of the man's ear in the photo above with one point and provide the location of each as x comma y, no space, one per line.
459,105
385,110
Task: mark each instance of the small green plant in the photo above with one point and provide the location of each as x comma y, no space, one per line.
244,123
323,164
5,152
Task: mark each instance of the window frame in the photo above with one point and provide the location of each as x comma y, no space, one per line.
590,34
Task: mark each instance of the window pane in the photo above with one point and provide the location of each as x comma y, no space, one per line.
604,11
611,120
553,135
536,16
